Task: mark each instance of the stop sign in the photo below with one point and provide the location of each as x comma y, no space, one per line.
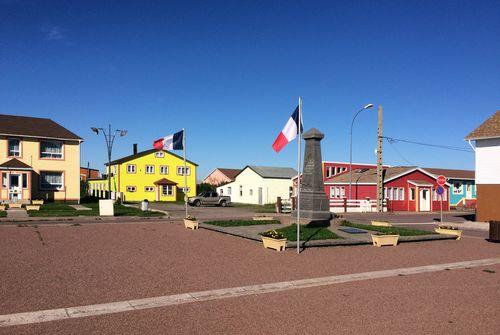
441,180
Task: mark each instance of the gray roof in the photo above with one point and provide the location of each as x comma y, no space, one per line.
273,172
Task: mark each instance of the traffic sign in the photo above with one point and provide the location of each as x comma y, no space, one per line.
440,190
441,180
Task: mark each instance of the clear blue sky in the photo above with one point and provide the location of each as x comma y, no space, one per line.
231,72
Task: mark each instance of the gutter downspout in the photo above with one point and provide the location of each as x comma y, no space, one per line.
470,143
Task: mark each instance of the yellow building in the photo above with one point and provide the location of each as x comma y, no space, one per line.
155,175
39,159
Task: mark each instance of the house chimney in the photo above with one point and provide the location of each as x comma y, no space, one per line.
135,148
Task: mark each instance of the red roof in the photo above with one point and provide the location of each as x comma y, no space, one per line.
165,181
14,164
230,173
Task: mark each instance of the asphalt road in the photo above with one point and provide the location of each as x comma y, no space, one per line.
54,266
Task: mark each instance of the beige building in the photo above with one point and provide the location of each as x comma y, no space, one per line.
487,150
260,185
39,159
221,176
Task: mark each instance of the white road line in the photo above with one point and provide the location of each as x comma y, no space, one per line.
168,300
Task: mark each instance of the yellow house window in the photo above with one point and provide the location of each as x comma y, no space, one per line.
163,169
150,169
180,171
131,168
159,154
131,188
149,188
167,190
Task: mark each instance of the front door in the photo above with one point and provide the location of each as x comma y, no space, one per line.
424,200
15,190
468,191
260,195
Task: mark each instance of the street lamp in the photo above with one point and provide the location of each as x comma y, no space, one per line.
350,148
110,139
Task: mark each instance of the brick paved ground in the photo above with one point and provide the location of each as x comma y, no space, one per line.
60,266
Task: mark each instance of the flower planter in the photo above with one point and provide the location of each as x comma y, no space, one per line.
2,207
455,232
192,224
381,223
380,240
16,205
32,207
37,202
263,218
272,243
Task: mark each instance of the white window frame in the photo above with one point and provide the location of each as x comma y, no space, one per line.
131,168
149,189
149,169
412,193
19,150
131,189
163,169
332,191
180,171
159,154
241,190
50,187
342,192
50,154
229,190
458,190
167,190
250,191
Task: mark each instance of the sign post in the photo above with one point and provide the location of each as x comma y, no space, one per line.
441,180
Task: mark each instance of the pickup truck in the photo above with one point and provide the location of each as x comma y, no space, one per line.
209,198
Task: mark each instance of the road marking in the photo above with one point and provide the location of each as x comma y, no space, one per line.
177,299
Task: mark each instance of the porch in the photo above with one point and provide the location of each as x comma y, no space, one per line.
16,181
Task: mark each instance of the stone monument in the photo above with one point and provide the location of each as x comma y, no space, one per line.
314,204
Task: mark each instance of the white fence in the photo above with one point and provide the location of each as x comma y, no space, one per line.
355,206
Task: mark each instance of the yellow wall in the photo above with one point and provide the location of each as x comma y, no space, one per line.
140,179
69,165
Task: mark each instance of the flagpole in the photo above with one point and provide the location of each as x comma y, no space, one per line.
185,169
298,174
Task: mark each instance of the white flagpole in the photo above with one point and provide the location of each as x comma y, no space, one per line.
185,169
298,174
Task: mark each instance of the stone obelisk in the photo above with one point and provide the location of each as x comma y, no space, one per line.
314,204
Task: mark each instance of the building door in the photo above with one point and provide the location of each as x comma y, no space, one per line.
468,191
424,200
260,195
15,190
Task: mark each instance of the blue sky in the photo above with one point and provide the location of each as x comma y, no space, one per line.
230,72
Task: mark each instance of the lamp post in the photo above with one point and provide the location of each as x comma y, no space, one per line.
109,137
350,147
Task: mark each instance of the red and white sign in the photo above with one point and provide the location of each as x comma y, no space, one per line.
441,180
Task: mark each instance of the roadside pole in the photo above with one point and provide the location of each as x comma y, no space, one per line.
185,170
298,175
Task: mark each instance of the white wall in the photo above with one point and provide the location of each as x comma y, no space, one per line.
249,180
488,161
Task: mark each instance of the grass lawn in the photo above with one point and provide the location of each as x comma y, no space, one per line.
267,208
237,223
59,210
388,230
308,233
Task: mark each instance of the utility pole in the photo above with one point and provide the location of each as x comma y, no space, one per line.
380,184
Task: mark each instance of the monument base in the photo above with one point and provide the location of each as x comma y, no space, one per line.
313,218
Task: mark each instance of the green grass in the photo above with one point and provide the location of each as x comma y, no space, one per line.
238,223
267,208
3,214
60,210
307,233
388,230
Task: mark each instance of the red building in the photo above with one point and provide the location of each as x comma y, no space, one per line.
406,188
331,169
87,173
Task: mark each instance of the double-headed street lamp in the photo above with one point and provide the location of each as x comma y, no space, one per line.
109,137
350,148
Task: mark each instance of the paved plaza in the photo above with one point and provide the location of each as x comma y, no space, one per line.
70,268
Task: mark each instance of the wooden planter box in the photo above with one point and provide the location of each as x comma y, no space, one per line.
380,240
381,223
37,202
456,232
263,218
191,224
16,205
271,243
32,207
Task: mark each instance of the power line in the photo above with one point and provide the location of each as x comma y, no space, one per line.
392,140
399,153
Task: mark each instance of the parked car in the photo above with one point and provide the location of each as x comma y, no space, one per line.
209,198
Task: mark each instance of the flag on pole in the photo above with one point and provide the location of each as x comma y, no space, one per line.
289,132
170,142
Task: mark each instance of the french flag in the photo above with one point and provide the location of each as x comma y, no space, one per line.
289,132
170,142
